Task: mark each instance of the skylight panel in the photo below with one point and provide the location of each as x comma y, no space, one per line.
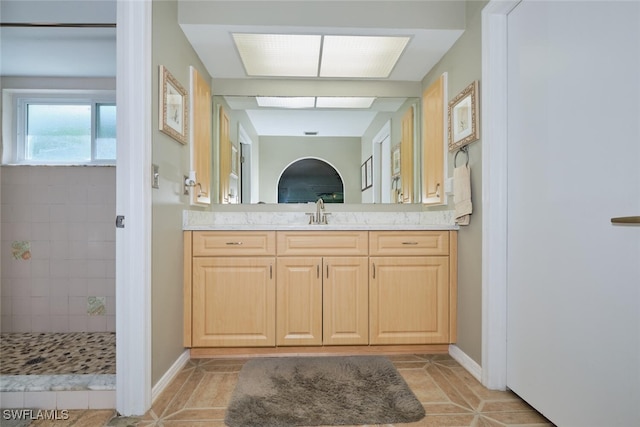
344,101
286,101
279,55
360,56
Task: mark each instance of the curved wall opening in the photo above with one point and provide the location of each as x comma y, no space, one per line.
308,180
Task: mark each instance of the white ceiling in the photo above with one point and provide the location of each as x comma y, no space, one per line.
432,25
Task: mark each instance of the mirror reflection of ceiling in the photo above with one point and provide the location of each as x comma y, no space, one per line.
430,26
320,122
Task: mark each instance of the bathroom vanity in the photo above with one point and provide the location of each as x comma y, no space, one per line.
345,287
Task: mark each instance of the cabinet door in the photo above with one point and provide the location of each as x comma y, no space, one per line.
225,157
201,101
433,143
406,157
299,301
345,303
233,302
409,300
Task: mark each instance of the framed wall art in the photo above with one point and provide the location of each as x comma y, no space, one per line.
395,161
464,118
366,172
174,107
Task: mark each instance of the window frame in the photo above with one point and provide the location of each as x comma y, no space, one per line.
19,138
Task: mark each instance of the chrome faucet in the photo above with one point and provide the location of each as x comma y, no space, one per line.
320,215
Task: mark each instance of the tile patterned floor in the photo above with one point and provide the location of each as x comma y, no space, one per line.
199,394
58,353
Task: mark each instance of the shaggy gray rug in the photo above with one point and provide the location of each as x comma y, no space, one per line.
311,391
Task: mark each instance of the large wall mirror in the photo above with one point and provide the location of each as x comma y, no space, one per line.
272,133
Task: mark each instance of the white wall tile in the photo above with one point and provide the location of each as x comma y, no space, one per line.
41,323
78,288
111,306
78,323
40,306
59,287
73,399
102,399
40,399
59,249
59,231
40,231
20,287
78,306
41,248
59,268
41,287
21,306
96,269
21,323
7,323
77,268
58,213
7,305
12,399
59,306
60,323
97,324
39,268
41,214
66,213
111,323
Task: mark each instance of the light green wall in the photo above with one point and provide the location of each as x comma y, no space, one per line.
463,64
276,153
171,49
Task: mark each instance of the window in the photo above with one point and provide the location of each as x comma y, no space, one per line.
58,130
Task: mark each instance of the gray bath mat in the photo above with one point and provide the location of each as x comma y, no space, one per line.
309,391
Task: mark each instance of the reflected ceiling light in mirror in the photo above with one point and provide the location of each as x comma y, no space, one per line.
285,55
344,101
360,56
286,101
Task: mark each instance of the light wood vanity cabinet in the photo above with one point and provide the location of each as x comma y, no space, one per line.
232,289
322,299
412,294
319,288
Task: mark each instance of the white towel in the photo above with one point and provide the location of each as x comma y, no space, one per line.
462,194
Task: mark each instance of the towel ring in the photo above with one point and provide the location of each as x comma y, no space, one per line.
464,150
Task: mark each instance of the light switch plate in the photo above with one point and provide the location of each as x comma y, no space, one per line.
155,177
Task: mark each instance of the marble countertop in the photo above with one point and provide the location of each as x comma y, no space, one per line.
207,220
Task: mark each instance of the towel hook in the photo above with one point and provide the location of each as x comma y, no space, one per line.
464,150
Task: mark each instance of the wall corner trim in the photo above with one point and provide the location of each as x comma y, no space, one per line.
168,376
466,362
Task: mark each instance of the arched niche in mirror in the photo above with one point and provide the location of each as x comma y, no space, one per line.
307,180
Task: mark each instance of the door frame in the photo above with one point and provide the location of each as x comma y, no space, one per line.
133,201
494,193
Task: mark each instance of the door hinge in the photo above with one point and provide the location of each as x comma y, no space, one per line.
120,221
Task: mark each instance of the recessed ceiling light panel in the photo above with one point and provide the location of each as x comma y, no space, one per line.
360,56
286,101
344,101
285,55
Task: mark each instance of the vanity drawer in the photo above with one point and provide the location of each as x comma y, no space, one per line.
408,243
322,243
234,243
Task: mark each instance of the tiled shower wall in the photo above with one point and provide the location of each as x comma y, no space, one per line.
58,248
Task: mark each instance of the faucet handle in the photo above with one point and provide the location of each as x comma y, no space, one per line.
324,217
311,217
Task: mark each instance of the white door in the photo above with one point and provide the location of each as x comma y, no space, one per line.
573,278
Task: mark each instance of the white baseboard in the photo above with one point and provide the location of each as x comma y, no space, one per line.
168,376
466,362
